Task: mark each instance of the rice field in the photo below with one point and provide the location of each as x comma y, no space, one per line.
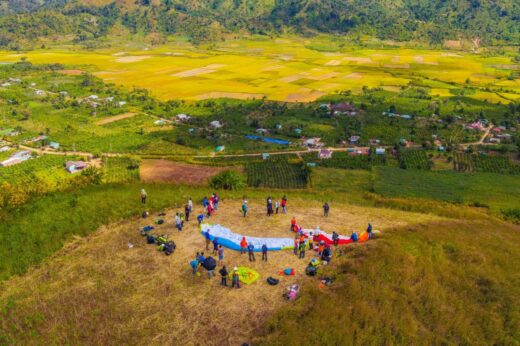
287,69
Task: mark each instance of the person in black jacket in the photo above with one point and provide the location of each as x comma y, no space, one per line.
224,273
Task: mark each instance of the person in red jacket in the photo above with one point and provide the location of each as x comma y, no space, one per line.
243,246
283,204
293,224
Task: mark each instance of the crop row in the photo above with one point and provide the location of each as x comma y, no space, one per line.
278,174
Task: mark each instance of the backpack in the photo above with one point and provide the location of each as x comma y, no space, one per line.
209,263
272,281
311,270
150,239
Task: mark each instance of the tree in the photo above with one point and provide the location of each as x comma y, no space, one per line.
227,180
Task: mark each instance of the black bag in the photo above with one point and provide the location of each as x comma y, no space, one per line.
272,281
209,263
150,239
311,270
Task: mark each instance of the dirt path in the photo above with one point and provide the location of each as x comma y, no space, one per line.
116,118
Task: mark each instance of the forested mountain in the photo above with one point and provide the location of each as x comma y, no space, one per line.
431,21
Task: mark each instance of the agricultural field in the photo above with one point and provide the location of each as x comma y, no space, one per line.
120,170
414,159
35,176
278,174
286,69
496,191
463,162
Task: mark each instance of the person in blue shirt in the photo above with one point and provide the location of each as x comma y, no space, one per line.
200,217
201,257
264,252
215,245
250,250
194,266
205,201
369,231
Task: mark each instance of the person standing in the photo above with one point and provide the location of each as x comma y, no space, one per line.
293,224
369,231
220,254
187,212
200,217
335,238
269,206
224,274
194,265
235,281
264,252
208,239
302,249
296,245
215,245
284,205
326,209
143,196
243,245
276,206
251,252
244,208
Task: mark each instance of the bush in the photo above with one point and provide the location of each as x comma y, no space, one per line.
227,180
512,215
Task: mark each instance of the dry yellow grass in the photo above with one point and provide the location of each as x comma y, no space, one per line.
98,291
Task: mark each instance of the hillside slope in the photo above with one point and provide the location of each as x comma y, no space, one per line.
429,279
427,21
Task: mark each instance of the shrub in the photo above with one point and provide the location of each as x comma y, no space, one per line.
227,180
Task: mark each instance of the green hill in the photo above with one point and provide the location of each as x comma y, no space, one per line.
482,21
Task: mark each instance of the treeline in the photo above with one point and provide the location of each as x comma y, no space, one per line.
431,21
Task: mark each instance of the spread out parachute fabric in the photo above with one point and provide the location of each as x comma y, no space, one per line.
246,275
327,238
232,240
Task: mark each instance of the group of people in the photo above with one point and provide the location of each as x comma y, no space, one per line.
250,249
211,204
273,208
209,264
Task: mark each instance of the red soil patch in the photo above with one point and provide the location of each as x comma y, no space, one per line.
165,171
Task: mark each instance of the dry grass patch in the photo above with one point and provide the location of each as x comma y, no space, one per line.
97,290
233,95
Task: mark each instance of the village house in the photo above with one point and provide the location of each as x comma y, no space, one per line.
354,139
4,149
312,142
477,125
374,141
75,166
380,151
182,117
343,108
16,158
360,151
54,145
216,124
324,154
40,92
262,131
